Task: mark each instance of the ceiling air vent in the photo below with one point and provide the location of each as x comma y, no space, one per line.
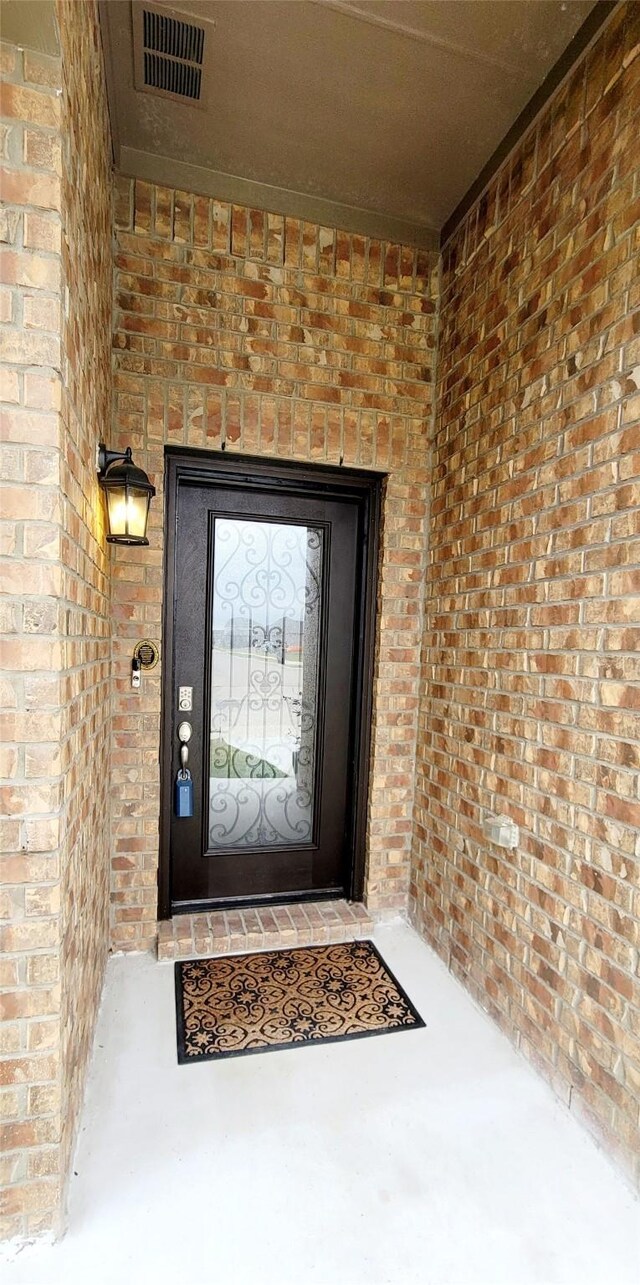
169,54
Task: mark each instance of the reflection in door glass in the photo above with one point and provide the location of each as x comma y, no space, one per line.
264,683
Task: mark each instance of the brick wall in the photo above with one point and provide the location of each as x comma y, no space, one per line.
86,415
288,340
56,301
32,617
530,664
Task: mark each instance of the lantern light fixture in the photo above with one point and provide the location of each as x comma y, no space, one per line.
129,493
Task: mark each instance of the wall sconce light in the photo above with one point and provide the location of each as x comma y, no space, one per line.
128,491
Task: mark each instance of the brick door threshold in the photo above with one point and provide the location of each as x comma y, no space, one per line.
230,932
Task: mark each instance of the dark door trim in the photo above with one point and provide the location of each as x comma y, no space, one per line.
290,477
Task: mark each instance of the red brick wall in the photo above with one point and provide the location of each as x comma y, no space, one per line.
286,340
530,663
54,604
31,686
86,413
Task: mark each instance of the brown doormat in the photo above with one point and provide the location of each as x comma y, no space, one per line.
280,999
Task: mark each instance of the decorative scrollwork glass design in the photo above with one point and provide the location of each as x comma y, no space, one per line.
264,683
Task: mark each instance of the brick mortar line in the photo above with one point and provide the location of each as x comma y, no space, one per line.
220,390
509,323
239,348
563,452
164,272
514,330
133,257
555,390
554,506
574,959
298,345
229,302
494,796
531,253
580,887
233,368
260,255
516,740
317,301
454,399
299,358
567,776
238,387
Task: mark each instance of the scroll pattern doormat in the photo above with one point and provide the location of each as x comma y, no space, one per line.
281,999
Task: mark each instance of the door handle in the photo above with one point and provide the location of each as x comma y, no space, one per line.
183,799
185,731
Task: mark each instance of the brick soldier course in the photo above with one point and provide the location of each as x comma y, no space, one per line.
506,661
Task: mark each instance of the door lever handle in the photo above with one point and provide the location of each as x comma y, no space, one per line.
184,736
183,801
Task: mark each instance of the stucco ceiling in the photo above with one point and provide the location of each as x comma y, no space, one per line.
376,114
31,24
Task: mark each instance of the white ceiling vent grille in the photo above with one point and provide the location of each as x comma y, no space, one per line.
169,54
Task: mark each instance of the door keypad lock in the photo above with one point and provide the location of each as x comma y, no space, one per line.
185,699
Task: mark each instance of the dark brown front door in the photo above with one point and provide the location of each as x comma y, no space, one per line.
268,585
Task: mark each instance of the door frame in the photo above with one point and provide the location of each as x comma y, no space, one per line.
291,477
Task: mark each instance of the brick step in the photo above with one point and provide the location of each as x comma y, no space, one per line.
230,932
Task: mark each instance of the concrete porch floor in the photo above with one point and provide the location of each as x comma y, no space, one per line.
434,1156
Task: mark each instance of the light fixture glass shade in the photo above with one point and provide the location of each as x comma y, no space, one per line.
127,514
129,492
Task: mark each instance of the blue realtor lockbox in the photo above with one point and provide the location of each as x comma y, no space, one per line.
184,795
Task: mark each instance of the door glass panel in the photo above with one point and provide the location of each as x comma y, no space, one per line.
264,683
